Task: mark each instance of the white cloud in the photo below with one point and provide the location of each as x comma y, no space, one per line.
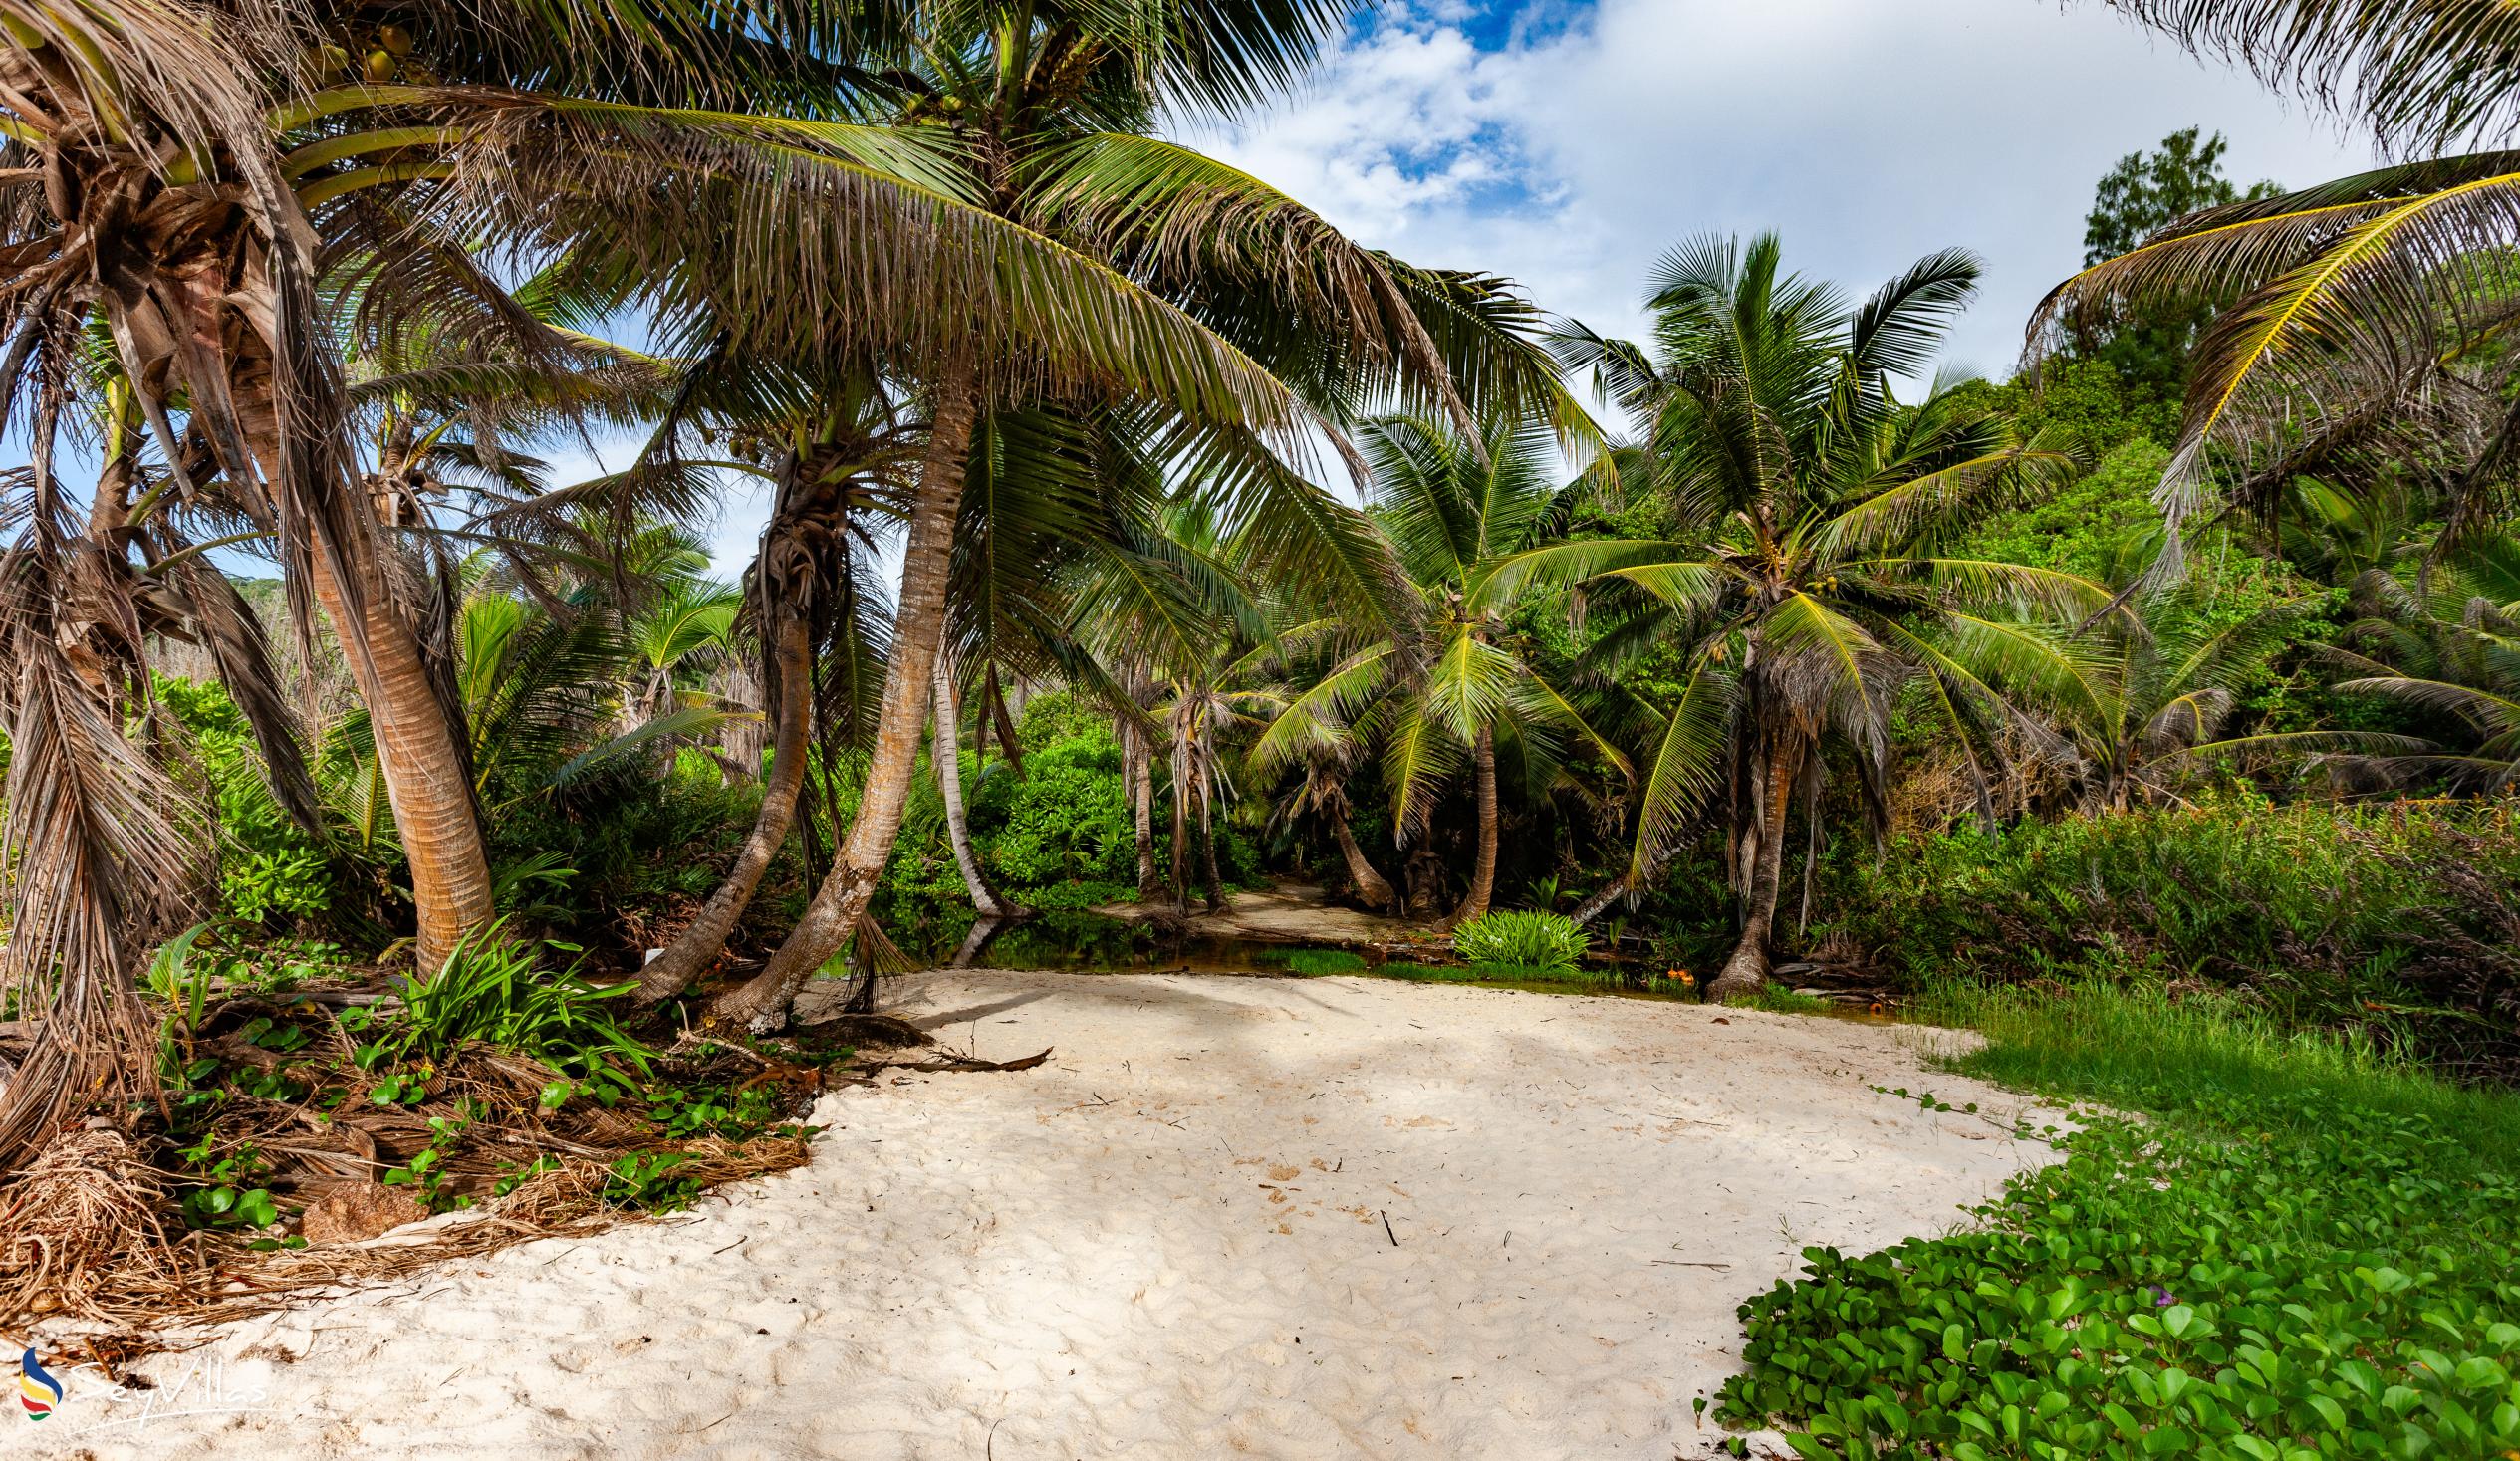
1867,132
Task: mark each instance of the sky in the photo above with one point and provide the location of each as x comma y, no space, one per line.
1566,144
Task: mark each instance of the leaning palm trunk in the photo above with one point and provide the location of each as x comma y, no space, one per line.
948,753
1599,904
1772,789
426,777
900,725
208,295
1373,889
1483,872
698,946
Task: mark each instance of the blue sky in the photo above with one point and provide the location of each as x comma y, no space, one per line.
1565,143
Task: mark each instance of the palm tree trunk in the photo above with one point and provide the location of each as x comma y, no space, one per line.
946,752
1599,904
698,946
1180,842
761,1004
1138,763
425,778
1746,972
1207,856
427,781
1373,889
1483,872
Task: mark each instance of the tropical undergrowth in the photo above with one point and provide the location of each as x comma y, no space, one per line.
2294,1246
508,1081
2393,923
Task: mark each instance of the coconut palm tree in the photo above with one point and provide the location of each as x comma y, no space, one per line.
1048,108
2358,302
1817,510
1464,688
240,179
2444,649
2130,705
841,464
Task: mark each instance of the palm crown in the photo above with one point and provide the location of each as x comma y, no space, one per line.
1823,509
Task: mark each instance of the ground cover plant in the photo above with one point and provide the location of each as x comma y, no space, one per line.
2294,1247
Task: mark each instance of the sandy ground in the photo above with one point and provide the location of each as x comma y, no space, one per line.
1169,1242
1291,911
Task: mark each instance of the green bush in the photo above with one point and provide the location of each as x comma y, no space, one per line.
1066,819
1541,942
269,867
2394,920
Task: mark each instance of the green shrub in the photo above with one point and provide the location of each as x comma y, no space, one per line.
269,867
1531,941
1066,819
2392,920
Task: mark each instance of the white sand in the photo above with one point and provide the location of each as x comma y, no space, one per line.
1169,1242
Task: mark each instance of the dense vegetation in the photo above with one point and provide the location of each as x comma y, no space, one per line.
2172,679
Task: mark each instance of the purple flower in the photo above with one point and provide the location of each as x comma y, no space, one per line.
2162,1297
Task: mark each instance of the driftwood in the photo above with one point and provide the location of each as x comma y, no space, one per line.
958,1064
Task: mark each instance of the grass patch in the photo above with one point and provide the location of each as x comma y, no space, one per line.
1315,962
1776,999
2309,1251
2133,1047
1506,976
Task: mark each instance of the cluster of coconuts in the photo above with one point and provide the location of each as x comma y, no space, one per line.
377,57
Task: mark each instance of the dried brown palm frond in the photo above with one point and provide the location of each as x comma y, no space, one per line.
84,1219
100,847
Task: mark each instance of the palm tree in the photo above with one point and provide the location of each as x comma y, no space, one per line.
1818,508
2448,654
2130,705
1047,108
2359,302
245,184
1465,687
843,475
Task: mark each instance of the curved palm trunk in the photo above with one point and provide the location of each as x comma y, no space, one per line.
900,725
424,773
1373,889
1483,872
427,781
1746,972
698,945
946,750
